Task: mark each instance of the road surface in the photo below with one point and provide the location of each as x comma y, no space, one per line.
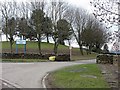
29,75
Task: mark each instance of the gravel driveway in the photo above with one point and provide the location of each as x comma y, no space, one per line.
29,75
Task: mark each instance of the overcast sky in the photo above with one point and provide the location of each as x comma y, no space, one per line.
79,3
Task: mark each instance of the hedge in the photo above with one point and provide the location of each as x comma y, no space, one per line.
59,57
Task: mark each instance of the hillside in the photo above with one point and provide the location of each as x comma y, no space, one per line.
32,47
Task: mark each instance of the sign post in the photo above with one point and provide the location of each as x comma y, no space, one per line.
20,41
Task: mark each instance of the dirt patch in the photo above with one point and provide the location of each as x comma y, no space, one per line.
110,73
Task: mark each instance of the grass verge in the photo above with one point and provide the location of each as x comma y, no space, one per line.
79,76
24,60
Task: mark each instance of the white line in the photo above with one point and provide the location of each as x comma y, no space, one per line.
5,84
43,80
22,63
10,83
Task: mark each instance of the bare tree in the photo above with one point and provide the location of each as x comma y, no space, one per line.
57,9
69,14
93,35
5,16
77,17
11,31
79,25
24,10
107,11
54,18
8,10
38,5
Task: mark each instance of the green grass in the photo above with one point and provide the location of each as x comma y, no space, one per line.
84,57
32,47
74,77
24,60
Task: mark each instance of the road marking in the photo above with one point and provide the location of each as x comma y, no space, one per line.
43,81
22,63
7,83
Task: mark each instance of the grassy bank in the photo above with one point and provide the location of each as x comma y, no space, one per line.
32,47
79,76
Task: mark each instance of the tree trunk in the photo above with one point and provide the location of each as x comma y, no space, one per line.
90,49
62,42
81,50
6,29
39,44
55,48
11,46
80,47
24,37
47,38
6,37
98,48
87,50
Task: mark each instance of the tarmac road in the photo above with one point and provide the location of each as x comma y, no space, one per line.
29,75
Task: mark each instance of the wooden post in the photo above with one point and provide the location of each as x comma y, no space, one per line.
70,47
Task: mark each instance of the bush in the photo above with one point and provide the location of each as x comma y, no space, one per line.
104,58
